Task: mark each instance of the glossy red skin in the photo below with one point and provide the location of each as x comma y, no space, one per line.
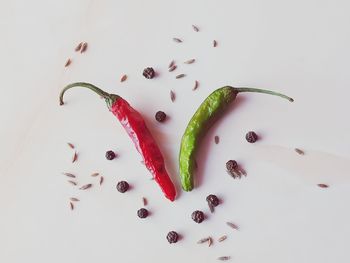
135,126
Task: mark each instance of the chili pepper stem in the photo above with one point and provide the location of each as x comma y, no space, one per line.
110,98
263,91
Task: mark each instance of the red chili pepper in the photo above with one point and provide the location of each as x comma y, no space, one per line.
135,126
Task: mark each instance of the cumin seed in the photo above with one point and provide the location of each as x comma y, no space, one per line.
71,205
217,139
70,145
123,78
323,185
232,225
172,95
172,63
211,207
72,182
301,152
224,237
210,241
68,62
78,47
101,180
180,76
215,43
74,199
172,68
195,28
75,157
196,84
69,175
190,61
86,186
224,258
203,240
84,47
177,40
144,201
95,174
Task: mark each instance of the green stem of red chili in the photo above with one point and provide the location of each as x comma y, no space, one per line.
105,95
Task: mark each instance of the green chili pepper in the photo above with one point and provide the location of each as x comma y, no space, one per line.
207,113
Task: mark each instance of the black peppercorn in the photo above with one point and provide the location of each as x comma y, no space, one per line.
251,137
172,237
231,165
160,116
122,186
213,200
110,155
198,216
148,73
142,213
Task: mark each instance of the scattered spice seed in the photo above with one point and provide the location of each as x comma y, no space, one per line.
123,78
190,61
196,84
110,155
232,225
95,174
301,152
86,186
74,199
180,76
70,145
172,237
122,186
72,182
172,96
71,205
217,139
172,68
69,175
323,185
101,180
149,73
75,157
172,63
215,43
210,241
68,62
198,216
224,258
224,237
78,47
160,116
231,165
144,201
203,240
177,40
251,137
195,28
142,213
211,207
83,47
213,201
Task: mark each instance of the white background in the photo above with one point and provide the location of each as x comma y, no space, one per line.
300,48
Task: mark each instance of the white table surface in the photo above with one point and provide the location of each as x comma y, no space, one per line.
300,48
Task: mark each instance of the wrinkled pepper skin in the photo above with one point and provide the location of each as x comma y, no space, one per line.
137,130
208,112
